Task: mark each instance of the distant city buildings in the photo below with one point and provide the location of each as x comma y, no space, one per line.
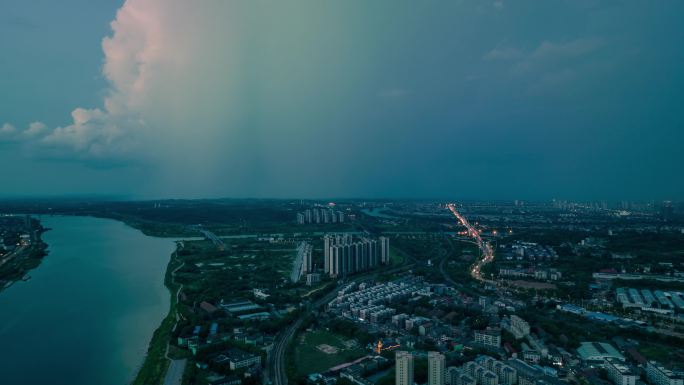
646,300
520,250
540,274
320,215
346,254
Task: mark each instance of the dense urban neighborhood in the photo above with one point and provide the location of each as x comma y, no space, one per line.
405,292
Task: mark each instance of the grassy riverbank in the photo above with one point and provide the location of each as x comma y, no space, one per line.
155,365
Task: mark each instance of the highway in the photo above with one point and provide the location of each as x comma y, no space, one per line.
298,264
487,254
276,358
213,237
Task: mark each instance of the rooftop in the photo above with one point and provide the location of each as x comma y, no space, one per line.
598,350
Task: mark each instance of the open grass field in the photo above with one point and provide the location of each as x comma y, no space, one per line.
658,352
396,256
318,351
532,285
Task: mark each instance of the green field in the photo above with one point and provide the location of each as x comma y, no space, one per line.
310,359
396,256
658,352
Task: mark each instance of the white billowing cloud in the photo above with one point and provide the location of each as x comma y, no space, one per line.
152,67
108,132
551,53
6,130
10,133
35,129
506,53
548,65
546,51
93,134
572,48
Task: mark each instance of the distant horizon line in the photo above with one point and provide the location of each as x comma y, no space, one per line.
125,198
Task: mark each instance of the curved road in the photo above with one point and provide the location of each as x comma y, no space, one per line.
485,247
276,358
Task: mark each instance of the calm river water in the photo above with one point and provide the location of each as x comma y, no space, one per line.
87,314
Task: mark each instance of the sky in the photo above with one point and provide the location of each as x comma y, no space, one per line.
575,99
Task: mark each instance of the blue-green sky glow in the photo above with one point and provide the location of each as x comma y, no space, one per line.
575,99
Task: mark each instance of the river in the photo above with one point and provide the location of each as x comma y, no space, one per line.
88,312
378,212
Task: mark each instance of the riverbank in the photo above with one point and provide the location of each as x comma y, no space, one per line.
156,364
17,268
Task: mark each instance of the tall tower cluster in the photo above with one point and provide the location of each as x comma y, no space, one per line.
320,215
346,254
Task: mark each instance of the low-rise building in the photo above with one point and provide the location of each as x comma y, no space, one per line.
507,375
532,356
619,373
224,380
451,375
598,352
207,307
465,379
489,378
488,337
313,279
519,327
240,359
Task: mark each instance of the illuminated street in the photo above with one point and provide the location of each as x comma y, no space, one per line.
487,254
